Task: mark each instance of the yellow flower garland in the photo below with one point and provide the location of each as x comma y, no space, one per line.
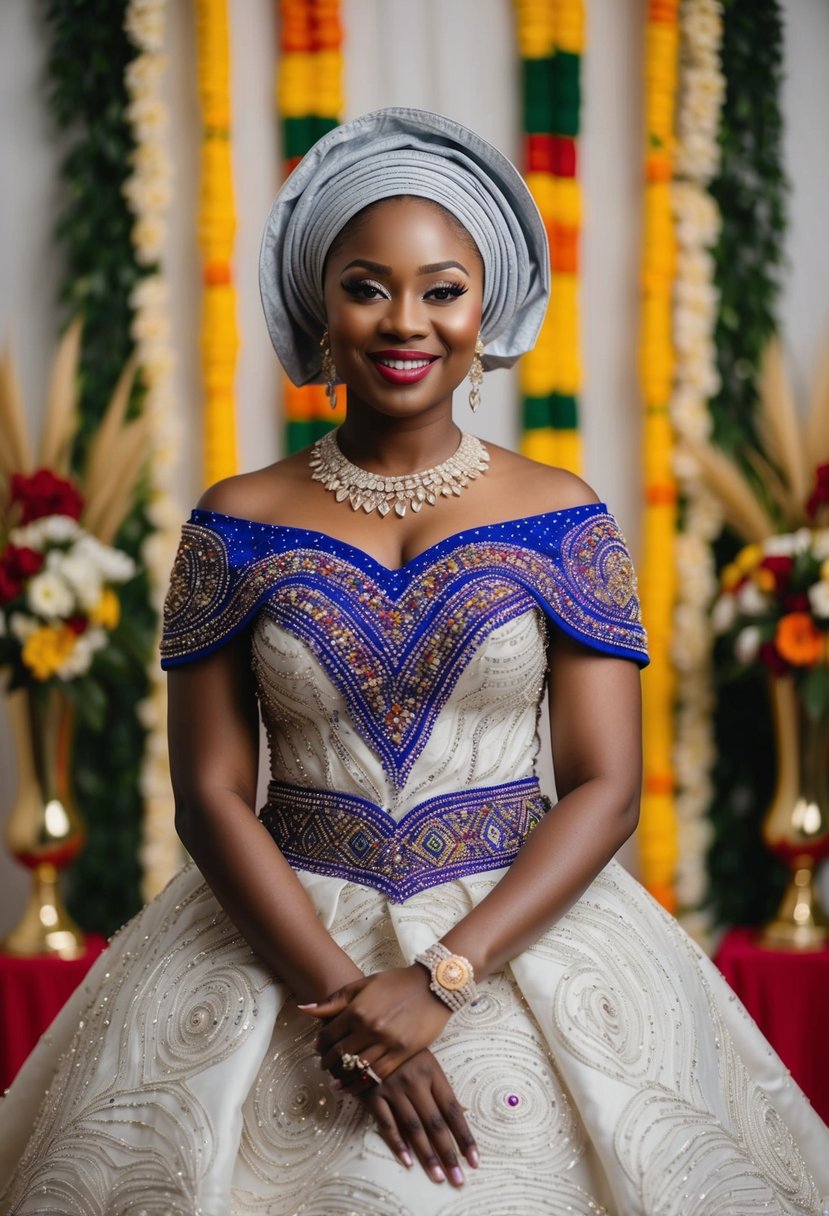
309,98
551,42
657,831
216,229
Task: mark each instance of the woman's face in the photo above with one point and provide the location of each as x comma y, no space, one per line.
403,297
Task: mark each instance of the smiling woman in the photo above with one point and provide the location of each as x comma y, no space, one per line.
405,972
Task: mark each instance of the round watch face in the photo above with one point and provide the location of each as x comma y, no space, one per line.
452,974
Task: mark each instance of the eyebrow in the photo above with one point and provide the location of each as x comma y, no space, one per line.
431,268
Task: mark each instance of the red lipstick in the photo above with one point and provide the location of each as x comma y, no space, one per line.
402,366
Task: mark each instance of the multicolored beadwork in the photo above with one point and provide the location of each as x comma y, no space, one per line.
395,642
453,835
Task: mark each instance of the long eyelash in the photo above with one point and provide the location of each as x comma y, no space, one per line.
355,287
454,289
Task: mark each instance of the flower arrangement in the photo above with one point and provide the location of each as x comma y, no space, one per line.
59,610
773,606
58,605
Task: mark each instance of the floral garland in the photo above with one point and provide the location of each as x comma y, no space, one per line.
657,830
745,881
310,102
217,225
697,220
148,193
88,56
551,44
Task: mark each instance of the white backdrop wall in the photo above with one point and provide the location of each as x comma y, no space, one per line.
454,56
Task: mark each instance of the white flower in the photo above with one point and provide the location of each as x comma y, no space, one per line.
50,596
57,528
80,573
819,598
80,660
111,565
752,601
747,643
724,614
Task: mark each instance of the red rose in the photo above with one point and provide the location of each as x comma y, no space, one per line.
77,624
42,493
775,662
781,567
10,587
23,562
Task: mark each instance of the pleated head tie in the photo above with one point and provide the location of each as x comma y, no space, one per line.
385,154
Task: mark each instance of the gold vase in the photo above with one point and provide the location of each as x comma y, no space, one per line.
45,832
796,826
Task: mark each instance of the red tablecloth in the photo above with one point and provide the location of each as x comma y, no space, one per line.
32,992
787,994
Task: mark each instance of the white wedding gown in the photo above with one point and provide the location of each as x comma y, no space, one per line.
609,1069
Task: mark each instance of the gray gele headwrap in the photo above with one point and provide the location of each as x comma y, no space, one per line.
381,155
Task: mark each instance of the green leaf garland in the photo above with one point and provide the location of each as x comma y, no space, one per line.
88,54
745,879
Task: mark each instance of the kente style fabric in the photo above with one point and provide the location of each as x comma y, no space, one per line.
608,1069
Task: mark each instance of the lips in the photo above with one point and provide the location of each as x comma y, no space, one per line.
402,366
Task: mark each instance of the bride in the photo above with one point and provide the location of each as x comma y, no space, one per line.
408,983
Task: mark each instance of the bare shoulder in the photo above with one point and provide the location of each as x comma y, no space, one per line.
260,495
537,488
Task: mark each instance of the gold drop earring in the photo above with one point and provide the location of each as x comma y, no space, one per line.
329,371
476,375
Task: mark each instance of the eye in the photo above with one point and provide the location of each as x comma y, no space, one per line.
442,292
364,289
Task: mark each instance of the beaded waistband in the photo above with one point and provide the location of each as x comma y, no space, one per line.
441,839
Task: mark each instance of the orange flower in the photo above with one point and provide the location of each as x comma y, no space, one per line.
798,640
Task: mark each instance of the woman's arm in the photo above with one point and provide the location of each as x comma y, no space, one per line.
214,743
214,739
595,712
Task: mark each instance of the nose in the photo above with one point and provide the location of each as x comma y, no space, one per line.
404,317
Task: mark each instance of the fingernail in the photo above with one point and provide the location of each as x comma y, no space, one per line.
308,1005
406,1158
473,1156
437,1174
456,1175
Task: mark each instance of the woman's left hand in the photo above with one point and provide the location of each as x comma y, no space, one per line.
383,1019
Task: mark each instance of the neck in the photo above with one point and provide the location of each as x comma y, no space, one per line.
394,446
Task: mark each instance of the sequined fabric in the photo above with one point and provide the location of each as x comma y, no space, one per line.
607,1070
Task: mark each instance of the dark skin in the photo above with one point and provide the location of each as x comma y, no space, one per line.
405,280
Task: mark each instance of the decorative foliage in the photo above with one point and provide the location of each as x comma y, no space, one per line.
750,190
774,606
697,225
657,830
148,193
88,56
551,45
217,226
310,99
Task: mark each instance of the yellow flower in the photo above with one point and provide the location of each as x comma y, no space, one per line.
107,612
764,579
731,576
748,558
46,649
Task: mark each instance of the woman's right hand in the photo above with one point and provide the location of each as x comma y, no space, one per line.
417,1112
